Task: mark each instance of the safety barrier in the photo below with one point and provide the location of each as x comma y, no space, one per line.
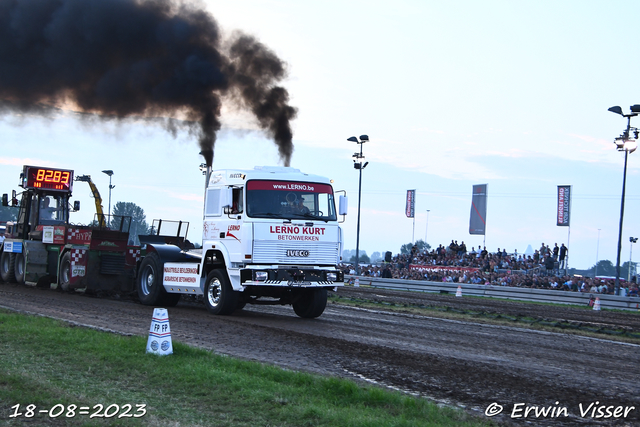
521,294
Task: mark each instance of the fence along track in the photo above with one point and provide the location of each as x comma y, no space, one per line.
506,292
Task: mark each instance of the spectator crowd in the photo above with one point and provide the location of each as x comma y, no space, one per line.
546,268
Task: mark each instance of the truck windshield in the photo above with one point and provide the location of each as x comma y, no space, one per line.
290,200
52,210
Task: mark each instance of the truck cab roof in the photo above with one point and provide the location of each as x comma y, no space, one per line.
240,176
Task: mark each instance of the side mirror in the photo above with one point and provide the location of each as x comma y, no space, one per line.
14,198
5,199
76,205
343,205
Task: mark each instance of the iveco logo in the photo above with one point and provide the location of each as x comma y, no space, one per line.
297,253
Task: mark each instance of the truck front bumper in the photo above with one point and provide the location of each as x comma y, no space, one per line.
292,277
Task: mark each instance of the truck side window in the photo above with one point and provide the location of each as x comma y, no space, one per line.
237,205
212,207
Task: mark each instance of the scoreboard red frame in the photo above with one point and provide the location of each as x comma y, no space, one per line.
41,178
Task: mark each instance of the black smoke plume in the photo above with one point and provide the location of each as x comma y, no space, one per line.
124,58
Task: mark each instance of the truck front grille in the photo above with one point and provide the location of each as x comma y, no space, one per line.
275,252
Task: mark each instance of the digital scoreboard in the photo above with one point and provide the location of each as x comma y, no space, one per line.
47,179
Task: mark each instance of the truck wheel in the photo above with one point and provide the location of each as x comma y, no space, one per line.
311,303
219,296
20,267
149,280
64,282
7,266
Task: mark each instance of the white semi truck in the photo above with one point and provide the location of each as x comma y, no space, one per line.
270,236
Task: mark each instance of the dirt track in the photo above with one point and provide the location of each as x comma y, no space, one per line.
456,362
568,315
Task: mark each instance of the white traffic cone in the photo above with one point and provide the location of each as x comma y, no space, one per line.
159,341
357,283
596,305
459,291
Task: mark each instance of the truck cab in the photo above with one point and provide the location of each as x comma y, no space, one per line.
274,226
270,236
44,205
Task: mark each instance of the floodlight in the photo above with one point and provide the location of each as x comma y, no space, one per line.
630,145
616,110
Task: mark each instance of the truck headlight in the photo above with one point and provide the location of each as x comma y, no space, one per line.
331,277
262,276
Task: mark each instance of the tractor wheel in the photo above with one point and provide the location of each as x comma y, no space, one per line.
219,296
7,267
310,303
64,273
20,267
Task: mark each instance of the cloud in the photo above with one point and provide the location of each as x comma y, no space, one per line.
15,161
428,130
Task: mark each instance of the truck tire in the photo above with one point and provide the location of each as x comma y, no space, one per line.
7,267
219,296
311,303
149,283
149,280
64,280
20,267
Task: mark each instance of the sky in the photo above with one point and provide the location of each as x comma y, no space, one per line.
451,94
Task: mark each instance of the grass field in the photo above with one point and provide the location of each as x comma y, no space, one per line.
62,370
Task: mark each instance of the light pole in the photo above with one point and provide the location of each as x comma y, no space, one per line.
627,144
632,240
111,187
357,164
426,231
